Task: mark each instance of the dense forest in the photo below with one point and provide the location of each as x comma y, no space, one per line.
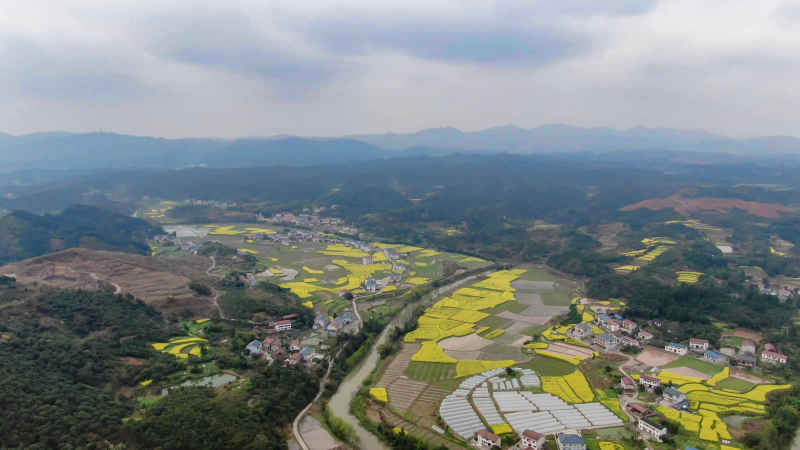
25,235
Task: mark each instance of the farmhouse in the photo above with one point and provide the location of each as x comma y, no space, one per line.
486,439
629,326
698,345
294,346
254,347
728,351
282,325
580,331
570,440
773,357
644,335
606,340
612,326
627,341
744,361
678,349
748,347
268,345
676,397
653,429
531,439
649,382
639,409
715,358
321,321
628,385
370,285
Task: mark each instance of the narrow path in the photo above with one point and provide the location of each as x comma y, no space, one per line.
213,265
296,424
358,316
117,288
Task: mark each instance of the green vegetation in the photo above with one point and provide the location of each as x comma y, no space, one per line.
547,366
694,363
197,417
735,384
25,235
430,371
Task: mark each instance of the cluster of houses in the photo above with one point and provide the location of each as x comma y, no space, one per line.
744,357
619,332
530,440
334,325
290,353
310,220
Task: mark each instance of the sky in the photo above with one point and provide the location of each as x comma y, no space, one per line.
321,68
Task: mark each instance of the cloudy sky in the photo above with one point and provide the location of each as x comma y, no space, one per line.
322,68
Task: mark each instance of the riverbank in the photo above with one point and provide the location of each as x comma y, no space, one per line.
339,404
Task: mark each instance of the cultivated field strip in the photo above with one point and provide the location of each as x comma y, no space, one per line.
433,394
428,435
398,365
403,392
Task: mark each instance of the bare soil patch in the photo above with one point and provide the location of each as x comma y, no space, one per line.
533,320
533,285
656,357
402,392
686,205
397,367
747,377
465,343
689,372
570,350
162,283
461,354
746,334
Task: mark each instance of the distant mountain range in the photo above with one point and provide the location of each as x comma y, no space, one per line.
566,138
87,151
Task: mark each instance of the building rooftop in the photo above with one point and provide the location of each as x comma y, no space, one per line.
571,439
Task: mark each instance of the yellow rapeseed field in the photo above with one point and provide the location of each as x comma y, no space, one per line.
470,367
379,394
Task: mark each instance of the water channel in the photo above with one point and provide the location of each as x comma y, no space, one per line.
340,402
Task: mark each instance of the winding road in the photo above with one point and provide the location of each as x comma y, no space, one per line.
340,402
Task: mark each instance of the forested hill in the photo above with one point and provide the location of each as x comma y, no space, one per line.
117,151
25,235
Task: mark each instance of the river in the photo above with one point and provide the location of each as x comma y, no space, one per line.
340,402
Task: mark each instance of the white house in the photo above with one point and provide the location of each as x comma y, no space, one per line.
486,439
678,349
282,325
531,439
698,345
773,357
649,382
656,431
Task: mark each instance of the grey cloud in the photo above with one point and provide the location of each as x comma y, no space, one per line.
66,71
232,41
514,33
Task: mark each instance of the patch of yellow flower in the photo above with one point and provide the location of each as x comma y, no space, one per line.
427,253
691,422
688,277
608,445
202,320
719,376
657,240
343,250
313,271
308,304
417,281
494,334
247,250
536,345
379,394
430,351
628,268
500,280
572,388
470,367
571,360
671,377
145,383
502,429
